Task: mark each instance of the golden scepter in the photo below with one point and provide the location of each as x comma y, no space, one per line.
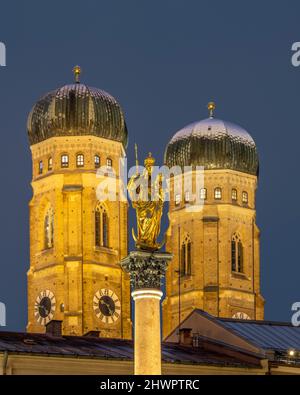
136,159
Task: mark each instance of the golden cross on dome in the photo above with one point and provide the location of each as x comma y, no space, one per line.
211,107
77,72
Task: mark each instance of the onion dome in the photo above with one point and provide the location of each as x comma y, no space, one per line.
77,110
213,144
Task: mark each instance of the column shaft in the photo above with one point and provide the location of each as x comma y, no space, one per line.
147,333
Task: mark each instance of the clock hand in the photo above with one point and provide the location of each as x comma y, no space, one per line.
108,307
106,304
44,308
110,310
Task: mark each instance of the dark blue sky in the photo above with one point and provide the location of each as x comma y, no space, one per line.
163,61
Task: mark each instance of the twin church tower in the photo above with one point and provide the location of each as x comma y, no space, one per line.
77,241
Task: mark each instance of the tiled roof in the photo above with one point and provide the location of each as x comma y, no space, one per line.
92,347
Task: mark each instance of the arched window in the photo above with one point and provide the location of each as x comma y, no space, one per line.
245,197
237,254
187,196
234,194
218,193
104,229
177,199
186,257
79,160
65,160
41,166
50,163
97,228
101,227
203,193
97,161
49,229
109,164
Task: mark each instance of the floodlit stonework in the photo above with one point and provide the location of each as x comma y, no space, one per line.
208,271
77,242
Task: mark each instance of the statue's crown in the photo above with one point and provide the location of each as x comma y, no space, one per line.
149,161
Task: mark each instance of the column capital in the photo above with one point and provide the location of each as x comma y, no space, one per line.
146,269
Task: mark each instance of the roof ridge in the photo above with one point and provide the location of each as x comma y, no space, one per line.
258,322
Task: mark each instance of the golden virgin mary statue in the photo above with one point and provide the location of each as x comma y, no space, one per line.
147,198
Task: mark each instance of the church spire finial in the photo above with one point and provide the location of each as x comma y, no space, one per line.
211,107
77,72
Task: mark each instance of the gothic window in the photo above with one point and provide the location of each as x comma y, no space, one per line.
48,229
234,194
182,259
203,193
97,228
237,254
177,199
245,197
80,160
41,166
64,160
104,229
50,163
101,227
97,161
218,193
240,257
187,196
186,257
233,255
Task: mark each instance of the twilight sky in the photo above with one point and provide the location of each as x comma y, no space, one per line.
163,61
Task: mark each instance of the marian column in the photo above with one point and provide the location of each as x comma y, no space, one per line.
146,270
147,267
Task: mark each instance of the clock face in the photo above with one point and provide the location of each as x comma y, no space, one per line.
44,307
107,306
241,316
